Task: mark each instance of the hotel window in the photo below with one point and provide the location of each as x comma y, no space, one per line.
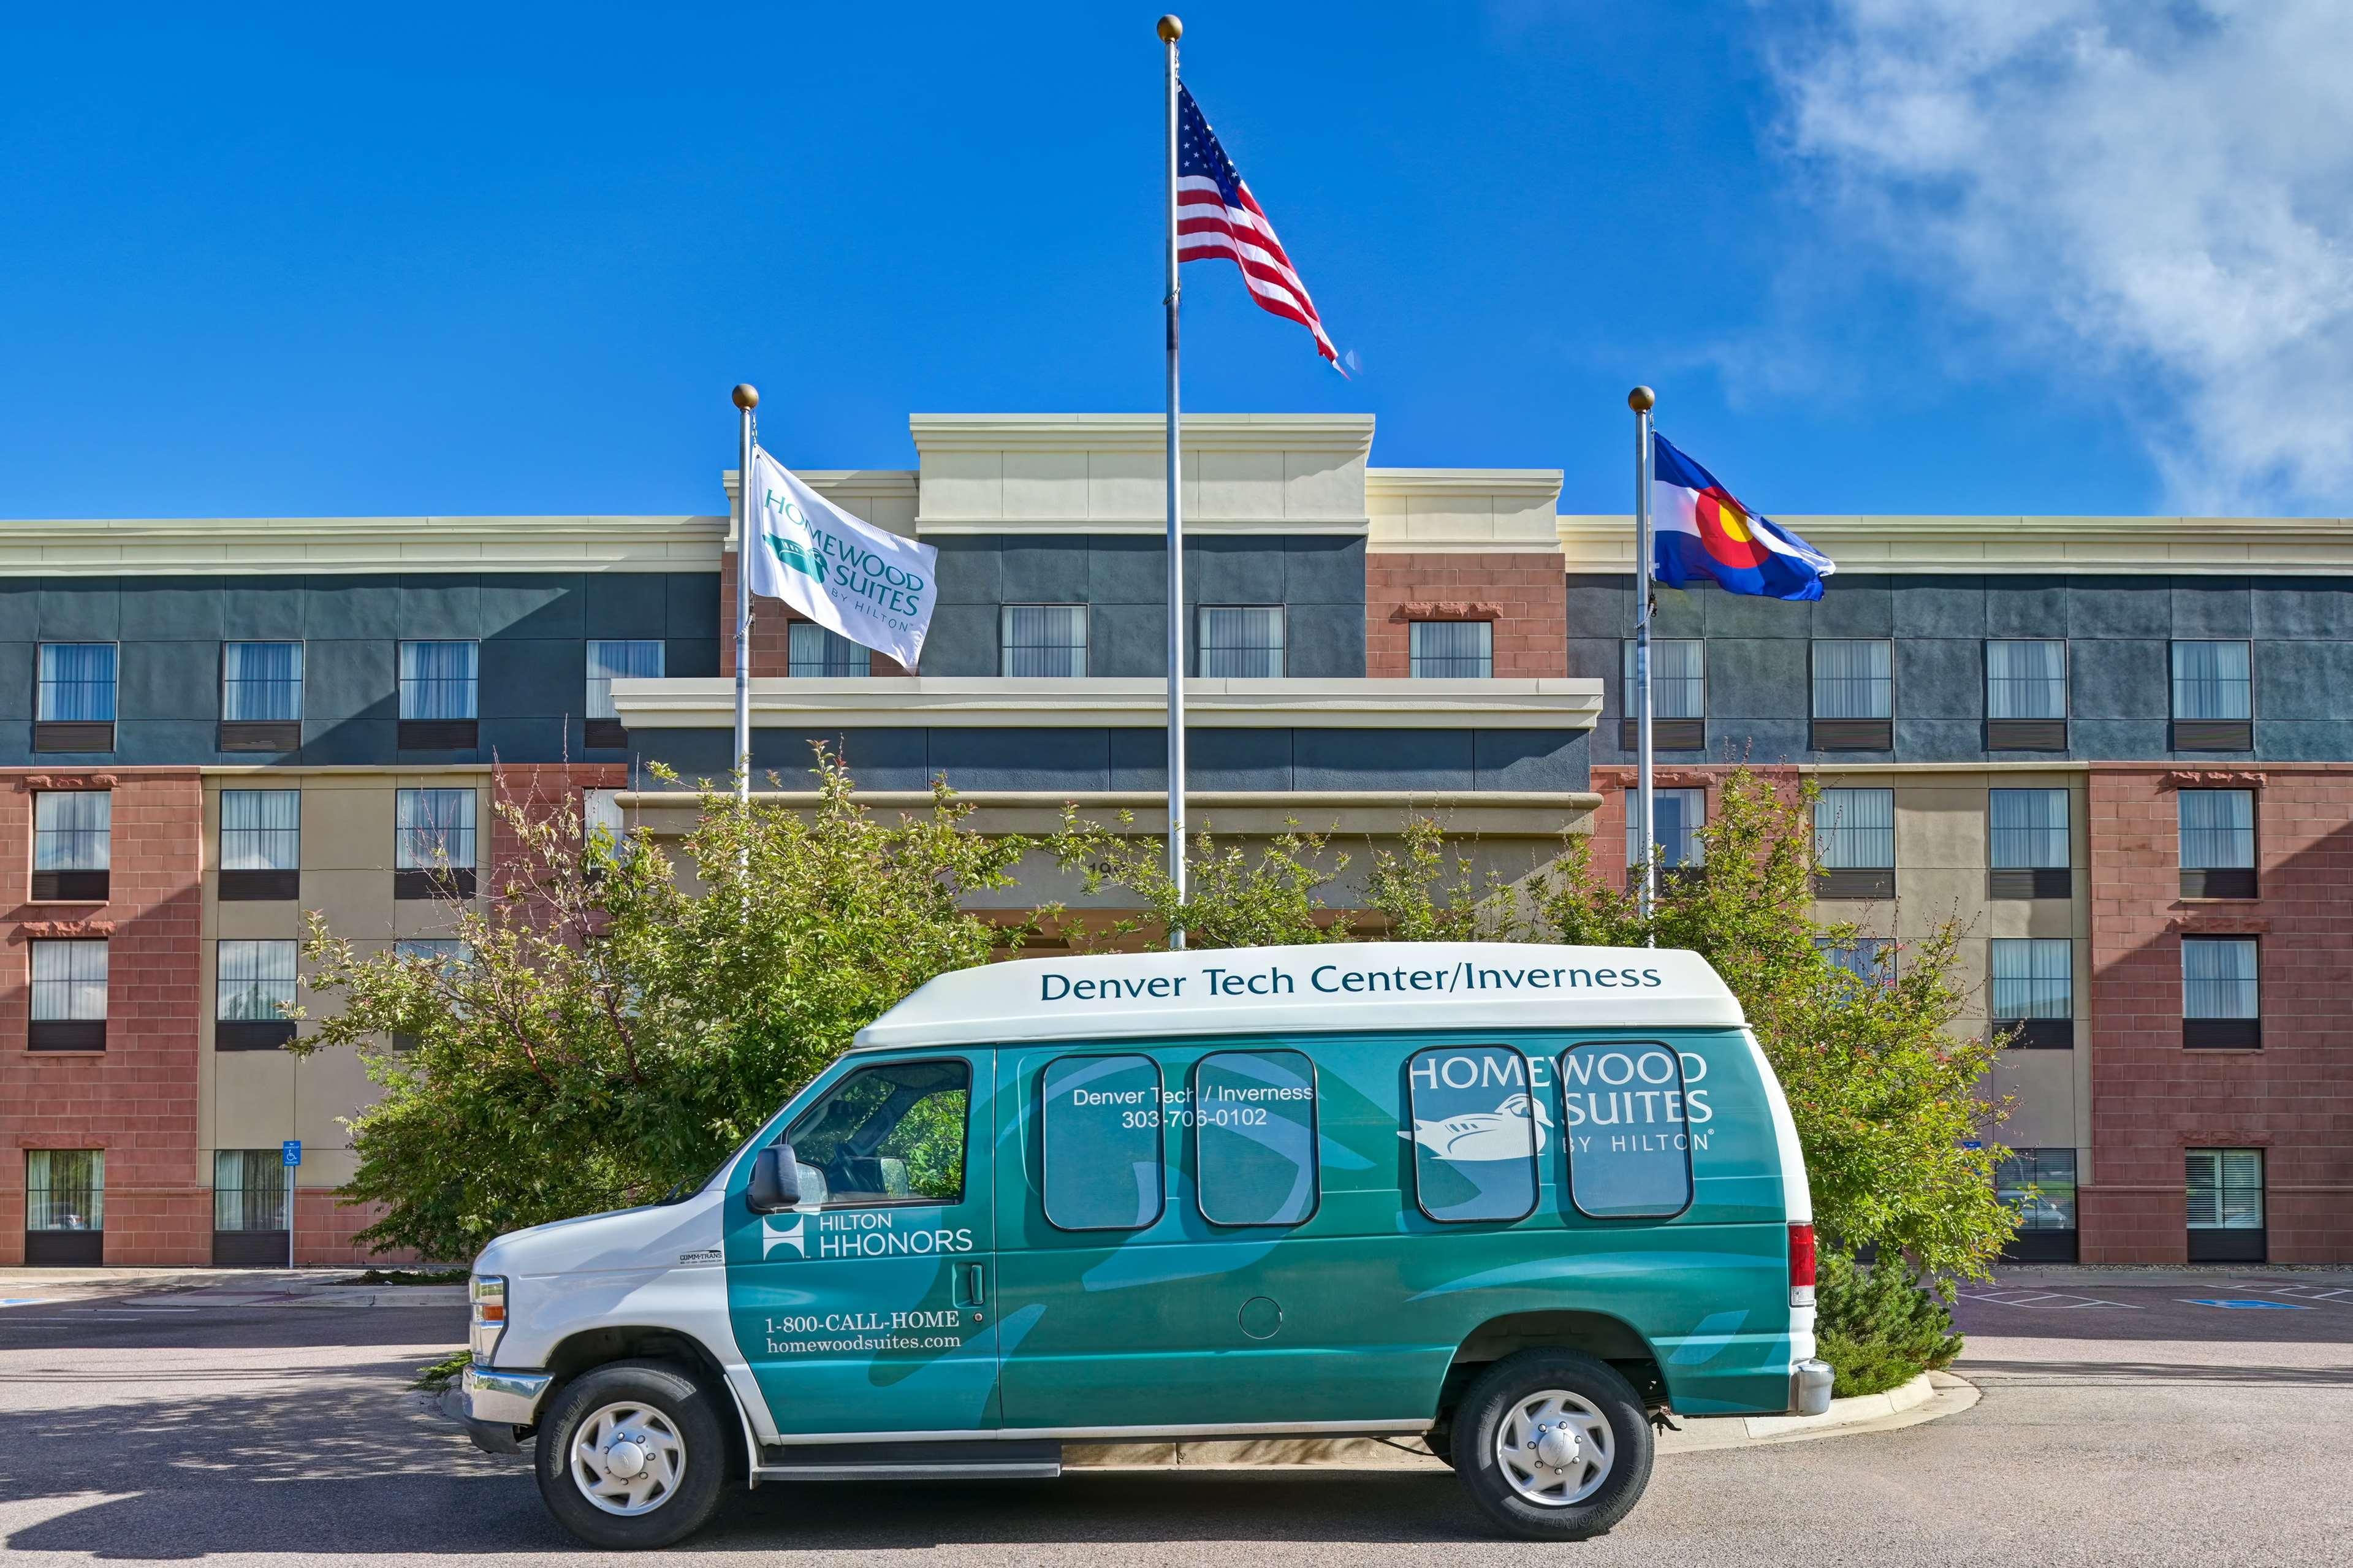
2218,843
2220,998
261,696
2213,697
76,711
813,650
2026,841
1677,817
1240,642
253,986
438,683
248,1208
2225,1201
69,996
1678,696
1854,696
2026,697
1049,640
260,844
1854,830
64,1207
441,952
1451,649
2034,991
72,845
2040,1184
608,660
433,843
1870,960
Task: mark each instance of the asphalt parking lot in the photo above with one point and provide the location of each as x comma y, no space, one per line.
2125,1422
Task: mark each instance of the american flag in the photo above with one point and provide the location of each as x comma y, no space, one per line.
1217,216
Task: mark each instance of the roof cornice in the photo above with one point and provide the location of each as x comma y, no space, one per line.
106,546
1912,545
1341,433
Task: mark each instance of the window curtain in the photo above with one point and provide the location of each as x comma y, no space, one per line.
248,1190
433,827
2029,828
72,829
437,680
1451,650
76,682
65,1190
2034,977
1856,829
2026,680
1242,641
2218,977
261,830
2218,829
261,682
1047,639
68,982
1855,679
2210,680
1678,678
255,981
814,652
617,660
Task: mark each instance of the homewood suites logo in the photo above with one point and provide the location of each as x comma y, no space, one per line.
797,551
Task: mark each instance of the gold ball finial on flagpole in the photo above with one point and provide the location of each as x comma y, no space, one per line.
1171,30
746,395
1641,399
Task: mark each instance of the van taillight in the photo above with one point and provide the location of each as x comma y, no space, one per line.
1801,1266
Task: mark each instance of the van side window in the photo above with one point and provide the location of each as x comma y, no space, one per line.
1255,1112
1627,1115
1477,1130
1101,1145
892,1133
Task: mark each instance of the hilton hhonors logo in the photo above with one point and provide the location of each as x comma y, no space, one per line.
774,1236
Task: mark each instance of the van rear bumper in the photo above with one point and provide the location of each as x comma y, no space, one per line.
1810,1388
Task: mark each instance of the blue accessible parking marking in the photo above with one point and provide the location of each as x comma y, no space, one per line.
2245,1303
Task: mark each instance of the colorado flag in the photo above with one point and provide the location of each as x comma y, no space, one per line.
1700,531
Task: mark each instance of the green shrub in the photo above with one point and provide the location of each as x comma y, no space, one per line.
433,1377
1878,1326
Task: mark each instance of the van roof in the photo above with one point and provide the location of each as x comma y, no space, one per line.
1328,988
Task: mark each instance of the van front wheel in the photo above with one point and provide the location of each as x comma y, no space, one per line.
1553,1444
631,1456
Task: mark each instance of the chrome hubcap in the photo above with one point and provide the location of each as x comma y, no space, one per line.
1556,1447
627,1459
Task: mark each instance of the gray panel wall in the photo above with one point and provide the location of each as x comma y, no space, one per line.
1319,580
1053,759
533,629
2118,630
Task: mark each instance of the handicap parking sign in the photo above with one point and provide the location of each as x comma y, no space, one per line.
290,1152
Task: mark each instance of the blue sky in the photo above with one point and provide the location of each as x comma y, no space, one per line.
510,260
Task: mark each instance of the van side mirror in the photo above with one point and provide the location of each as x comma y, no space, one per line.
775,1180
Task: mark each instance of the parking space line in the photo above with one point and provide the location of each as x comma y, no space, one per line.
2045,1302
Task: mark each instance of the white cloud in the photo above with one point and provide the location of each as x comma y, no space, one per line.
2160,196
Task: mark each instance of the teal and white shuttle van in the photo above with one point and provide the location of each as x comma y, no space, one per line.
1516,1201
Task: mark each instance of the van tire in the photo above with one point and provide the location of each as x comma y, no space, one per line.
1499,1396
687,1417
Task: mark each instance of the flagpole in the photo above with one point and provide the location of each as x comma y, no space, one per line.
747,398
1641,399
1171,30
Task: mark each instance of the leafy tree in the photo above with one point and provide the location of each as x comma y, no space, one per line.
1886,1095
621,1021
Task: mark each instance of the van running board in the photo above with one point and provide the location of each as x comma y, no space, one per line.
1008,1461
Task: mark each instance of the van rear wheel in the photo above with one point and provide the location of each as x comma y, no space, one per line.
631,1456
1553,1444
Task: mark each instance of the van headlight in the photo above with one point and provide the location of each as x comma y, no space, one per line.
490,1295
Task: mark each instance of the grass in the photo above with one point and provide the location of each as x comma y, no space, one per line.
408,1277
433,1377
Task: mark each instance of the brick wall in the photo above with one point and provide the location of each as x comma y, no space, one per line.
1526,596
771,654
2151,1098
137,1100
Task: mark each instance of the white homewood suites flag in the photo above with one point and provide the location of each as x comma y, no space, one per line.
871,585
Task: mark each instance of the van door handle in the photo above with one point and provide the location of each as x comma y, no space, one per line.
978,1285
